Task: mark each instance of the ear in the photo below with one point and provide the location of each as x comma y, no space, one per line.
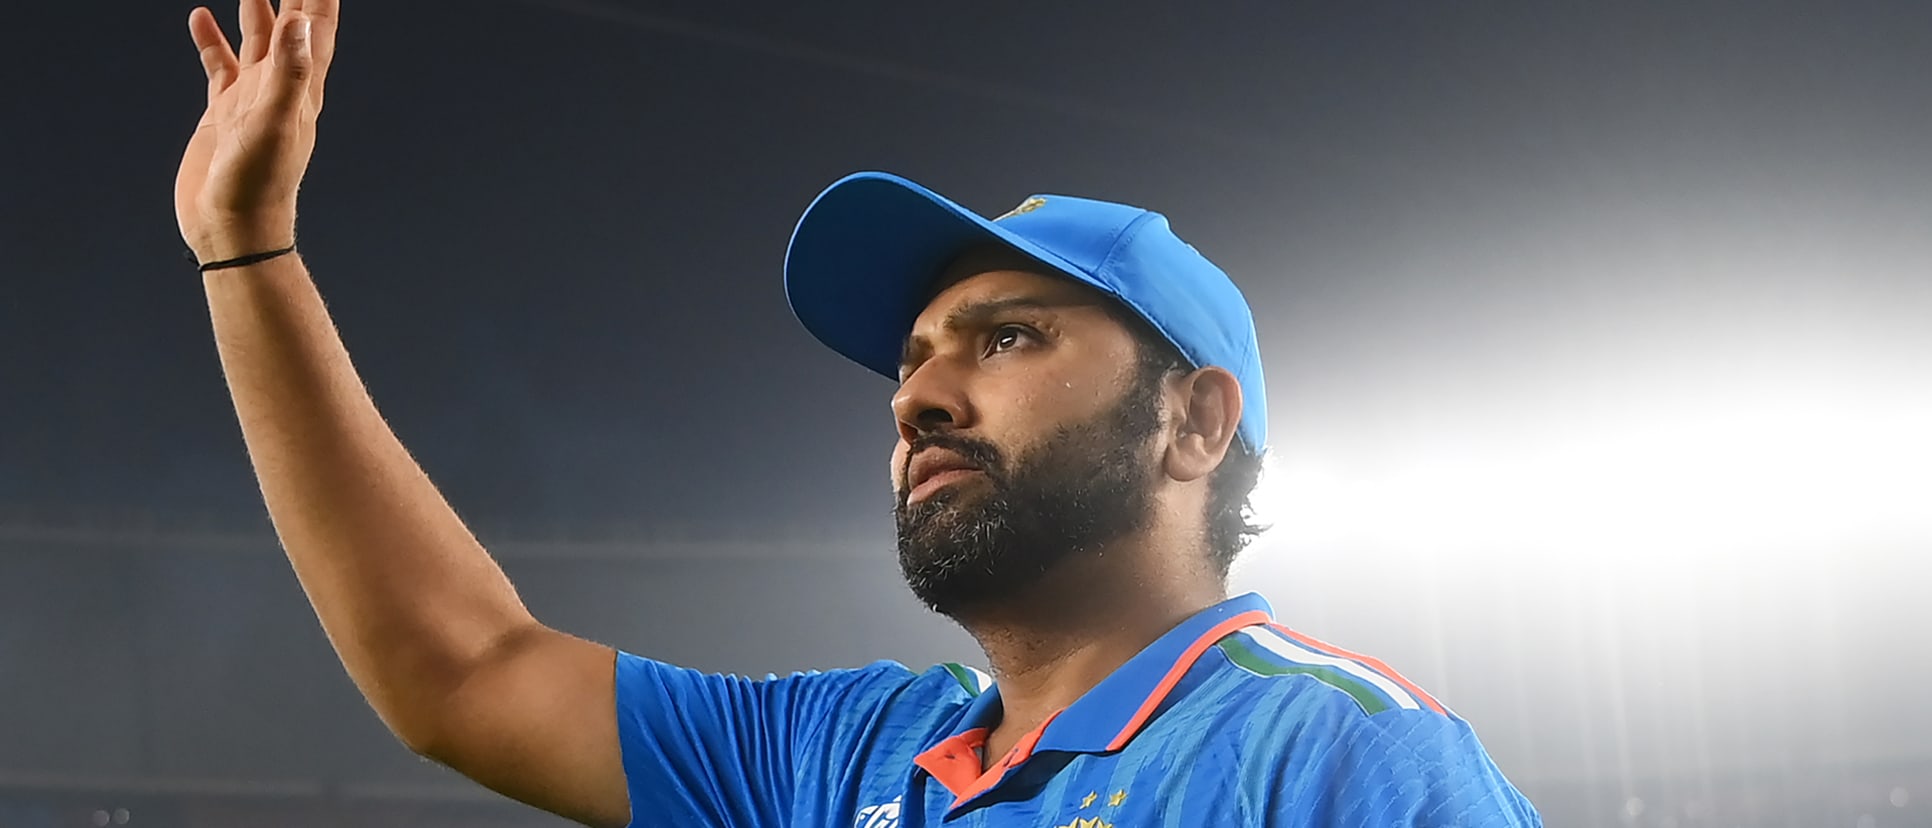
1206,405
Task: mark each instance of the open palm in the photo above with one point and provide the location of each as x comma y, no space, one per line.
235,192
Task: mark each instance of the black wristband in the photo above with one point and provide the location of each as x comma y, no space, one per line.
244,261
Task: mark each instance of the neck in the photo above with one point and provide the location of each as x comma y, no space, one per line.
1060,636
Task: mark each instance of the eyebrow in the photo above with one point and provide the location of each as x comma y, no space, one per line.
976,314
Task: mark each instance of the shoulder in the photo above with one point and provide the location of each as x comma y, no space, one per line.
1377,748
651,689
1315,696
1274,661
636,674
1427,769
813,698
891,690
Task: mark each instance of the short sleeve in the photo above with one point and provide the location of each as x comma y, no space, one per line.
705,750
1406,768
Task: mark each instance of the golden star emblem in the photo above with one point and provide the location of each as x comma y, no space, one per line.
1089,822
1088,802
1115,800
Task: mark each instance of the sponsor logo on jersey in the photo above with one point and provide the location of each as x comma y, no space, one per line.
878,816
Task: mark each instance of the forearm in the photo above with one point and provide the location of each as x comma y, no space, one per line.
408,597
427,625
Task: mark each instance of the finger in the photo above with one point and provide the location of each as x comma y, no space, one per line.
322,15
257,26
292,63
217,57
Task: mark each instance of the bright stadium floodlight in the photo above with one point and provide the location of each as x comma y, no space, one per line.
1753,472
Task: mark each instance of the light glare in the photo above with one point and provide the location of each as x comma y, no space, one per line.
1783,471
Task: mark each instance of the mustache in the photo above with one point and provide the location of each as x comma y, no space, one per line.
979,452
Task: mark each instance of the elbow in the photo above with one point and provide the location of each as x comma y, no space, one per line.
418,705
421,741
443,714
420,732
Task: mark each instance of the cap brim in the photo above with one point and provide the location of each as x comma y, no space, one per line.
864,257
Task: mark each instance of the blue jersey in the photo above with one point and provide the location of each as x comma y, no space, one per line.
1228,720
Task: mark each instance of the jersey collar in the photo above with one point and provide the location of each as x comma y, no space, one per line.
1102,720
1109,715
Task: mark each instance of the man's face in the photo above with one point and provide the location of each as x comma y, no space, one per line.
1024,436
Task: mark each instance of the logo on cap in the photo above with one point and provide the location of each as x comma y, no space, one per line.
1025,207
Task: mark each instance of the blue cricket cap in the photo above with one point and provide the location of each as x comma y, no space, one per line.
865,254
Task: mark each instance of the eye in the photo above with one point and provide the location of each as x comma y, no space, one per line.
1008,337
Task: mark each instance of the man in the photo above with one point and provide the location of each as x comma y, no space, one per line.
1080,420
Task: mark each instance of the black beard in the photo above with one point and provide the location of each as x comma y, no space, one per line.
982,541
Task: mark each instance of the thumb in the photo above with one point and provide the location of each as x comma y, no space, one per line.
293,61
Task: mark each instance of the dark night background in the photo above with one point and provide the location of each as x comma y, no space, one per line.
1598,338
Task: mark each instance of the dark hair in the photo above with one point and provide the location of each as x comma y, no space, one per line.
1231,523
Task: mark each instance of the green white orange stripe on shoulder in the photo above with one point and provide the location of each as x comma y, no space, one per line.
1274,650
973,680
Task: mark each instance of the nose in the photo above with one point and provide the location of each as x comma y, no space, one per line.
932,398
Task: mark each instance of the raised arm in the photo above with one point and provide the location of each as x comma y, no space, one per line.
425,622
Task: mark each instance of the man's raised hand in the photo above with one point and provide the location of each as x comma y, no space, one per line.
235,192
